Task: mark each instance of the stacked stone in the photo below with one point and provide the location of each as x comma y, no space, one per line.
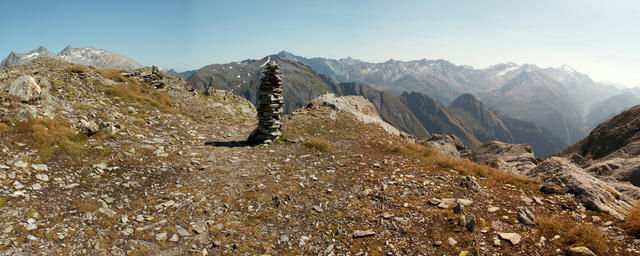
270,106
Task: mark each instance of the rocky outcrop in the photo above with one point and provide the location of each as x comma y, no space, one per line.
25,88
593,193
612,151
270,107
358,106
447,144
516,158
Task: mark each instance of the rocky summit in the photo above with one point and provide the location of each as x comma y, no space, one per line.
136,162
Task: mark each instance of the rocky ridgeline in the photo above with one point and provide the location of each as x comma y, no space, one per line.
270,106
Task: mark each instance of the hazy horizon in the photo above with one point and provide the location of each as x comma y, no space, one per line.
591,37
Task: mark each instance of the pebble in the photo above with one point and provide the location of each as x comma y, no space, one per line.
493,209
42,177
161,236
452,241
107,211
514,238
363,233
40,167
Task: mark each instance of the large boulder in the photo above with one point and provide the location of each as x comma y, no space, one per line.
518,158
593,193
25,88
447,144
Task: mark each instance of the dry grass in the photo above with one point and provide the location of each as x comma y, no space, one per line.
431,156
318,143
3,127
115,75
74,68
632,221
143,94
574,234
50,136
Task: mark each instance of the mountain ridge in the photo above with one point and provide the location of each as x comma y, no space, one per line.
88,56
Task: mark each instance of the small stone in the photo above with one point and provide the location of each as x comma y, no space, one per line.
595,219
127,231
284,238
31,226
182,231
17,185
161,236
452,241
471,223
20,164
199,228
464,253
459,209
434,201
363,233
437,243
107,211
36,186
40,167
173,238
580,251
526,217
216,243
493,209
317,209
464,202
526,200
513,238
42,177
387,215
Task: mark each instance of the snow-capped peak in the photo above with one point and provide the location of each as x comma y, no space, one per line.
567,69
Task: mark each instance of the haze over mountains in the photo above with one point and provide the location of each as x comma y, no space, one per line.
88,56
559,99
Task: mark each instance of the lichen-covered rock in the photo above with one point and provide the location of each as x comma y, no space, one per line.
580,251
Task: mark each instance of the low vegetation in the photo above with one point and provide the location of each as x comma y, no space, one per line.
50,136
632,221
318,143
115,74
143,94
574,234
431,156
79,69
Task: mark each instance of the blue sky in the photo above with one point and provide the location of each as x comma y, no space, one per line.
598,38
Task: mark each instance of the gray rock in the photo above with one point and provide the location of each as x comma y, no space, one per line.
526,217
513,238
452,241
446,144
24,88
593,193
182,231
518,158
107,211
363,233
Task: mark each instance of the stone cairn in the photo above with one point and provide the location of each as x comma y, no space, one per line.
270,106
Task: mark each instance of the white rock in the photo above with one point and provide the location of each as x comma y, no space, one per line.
40,167
42,177
514,238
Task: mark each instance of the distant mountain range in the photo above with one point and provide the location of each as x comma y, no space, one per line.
561,99
184,75
87,56
414,113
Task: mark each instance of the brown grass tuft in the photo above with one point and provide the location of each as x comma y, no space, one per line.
317,143
115,74
432,156
78,69
632,221
574,234
143,94
51,136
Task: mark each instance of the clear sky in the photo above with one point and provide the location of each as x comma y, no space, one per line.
598,38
